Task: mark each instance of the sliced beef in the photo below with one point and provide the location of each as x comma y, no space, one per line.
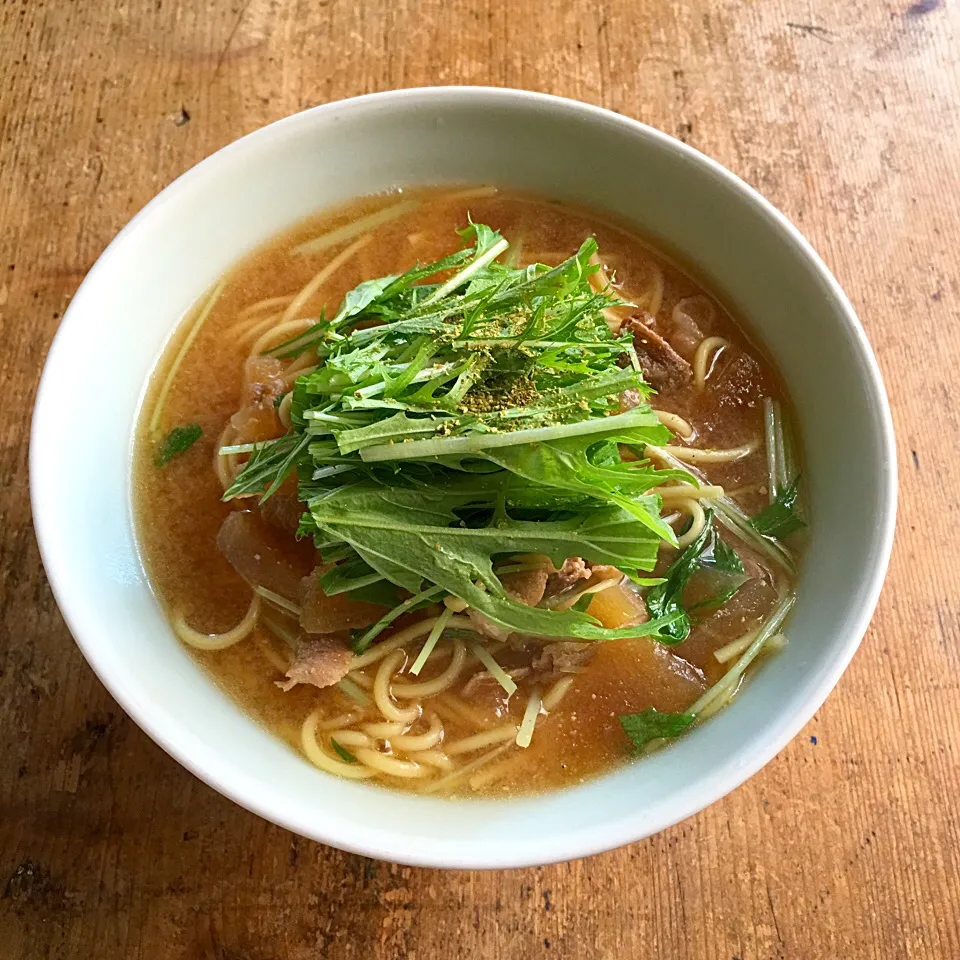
663,368
264,377
738,380
320,661
564,656
573,569
262,556
322,614
526,586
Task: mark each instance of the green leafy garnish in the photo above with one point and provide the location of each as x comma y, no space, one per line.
666,599
345,755
780,519
651,724
462,412
177,442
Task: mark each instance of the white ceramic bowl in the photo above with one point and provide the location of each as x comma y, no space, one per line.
134,297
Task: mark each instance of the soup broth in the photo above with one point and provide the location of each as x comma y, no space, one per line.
491,710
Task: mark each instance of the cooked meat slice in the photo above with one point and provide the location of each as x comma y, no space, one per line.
320,661
262,556
264,377
322,614
739,380
573,569
564,656
663,368
526,586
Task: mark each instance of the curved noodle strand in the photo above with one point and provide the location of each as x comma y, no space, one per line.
684,491
381,730
420,741
381,690
401,637
225,464
279,333
445,680
314,285
705,455
698,520
478,741
217,641
556,693
709,348
434,758
283,411
675,422
205,312
320,758
392,766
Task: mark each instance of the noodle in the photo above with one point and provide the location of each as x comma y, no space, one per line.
218,641
434,758
283,411
703,351
698,520
318,757
314,285
384,731
351,738
352,229
381,690
281,332
456,710
676,423
341,720
275,659
556,693
438,684
702,455
225,464
252,329
266,304
683,491
415,630
391,766
458,774
181,353
421,741
480,740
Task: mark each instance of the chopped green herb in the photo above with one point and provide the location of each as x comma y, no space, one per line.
651,724
345,755
177,442
780,519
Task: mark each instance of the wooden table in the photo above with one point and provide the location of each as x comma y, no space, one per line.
848,844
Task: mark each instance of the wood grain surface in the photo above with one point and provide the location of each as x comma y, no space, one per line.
847,116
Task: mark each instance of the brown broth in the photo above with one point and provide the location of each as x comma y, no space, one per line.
179,510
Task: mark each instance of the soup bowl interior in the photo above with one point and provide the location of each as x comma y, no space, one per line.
131,302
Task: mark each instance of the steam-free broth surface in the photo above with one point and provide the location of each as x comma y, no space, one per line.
180,511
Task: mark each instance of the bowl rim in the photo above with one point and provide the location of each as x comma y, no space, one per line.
561,848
